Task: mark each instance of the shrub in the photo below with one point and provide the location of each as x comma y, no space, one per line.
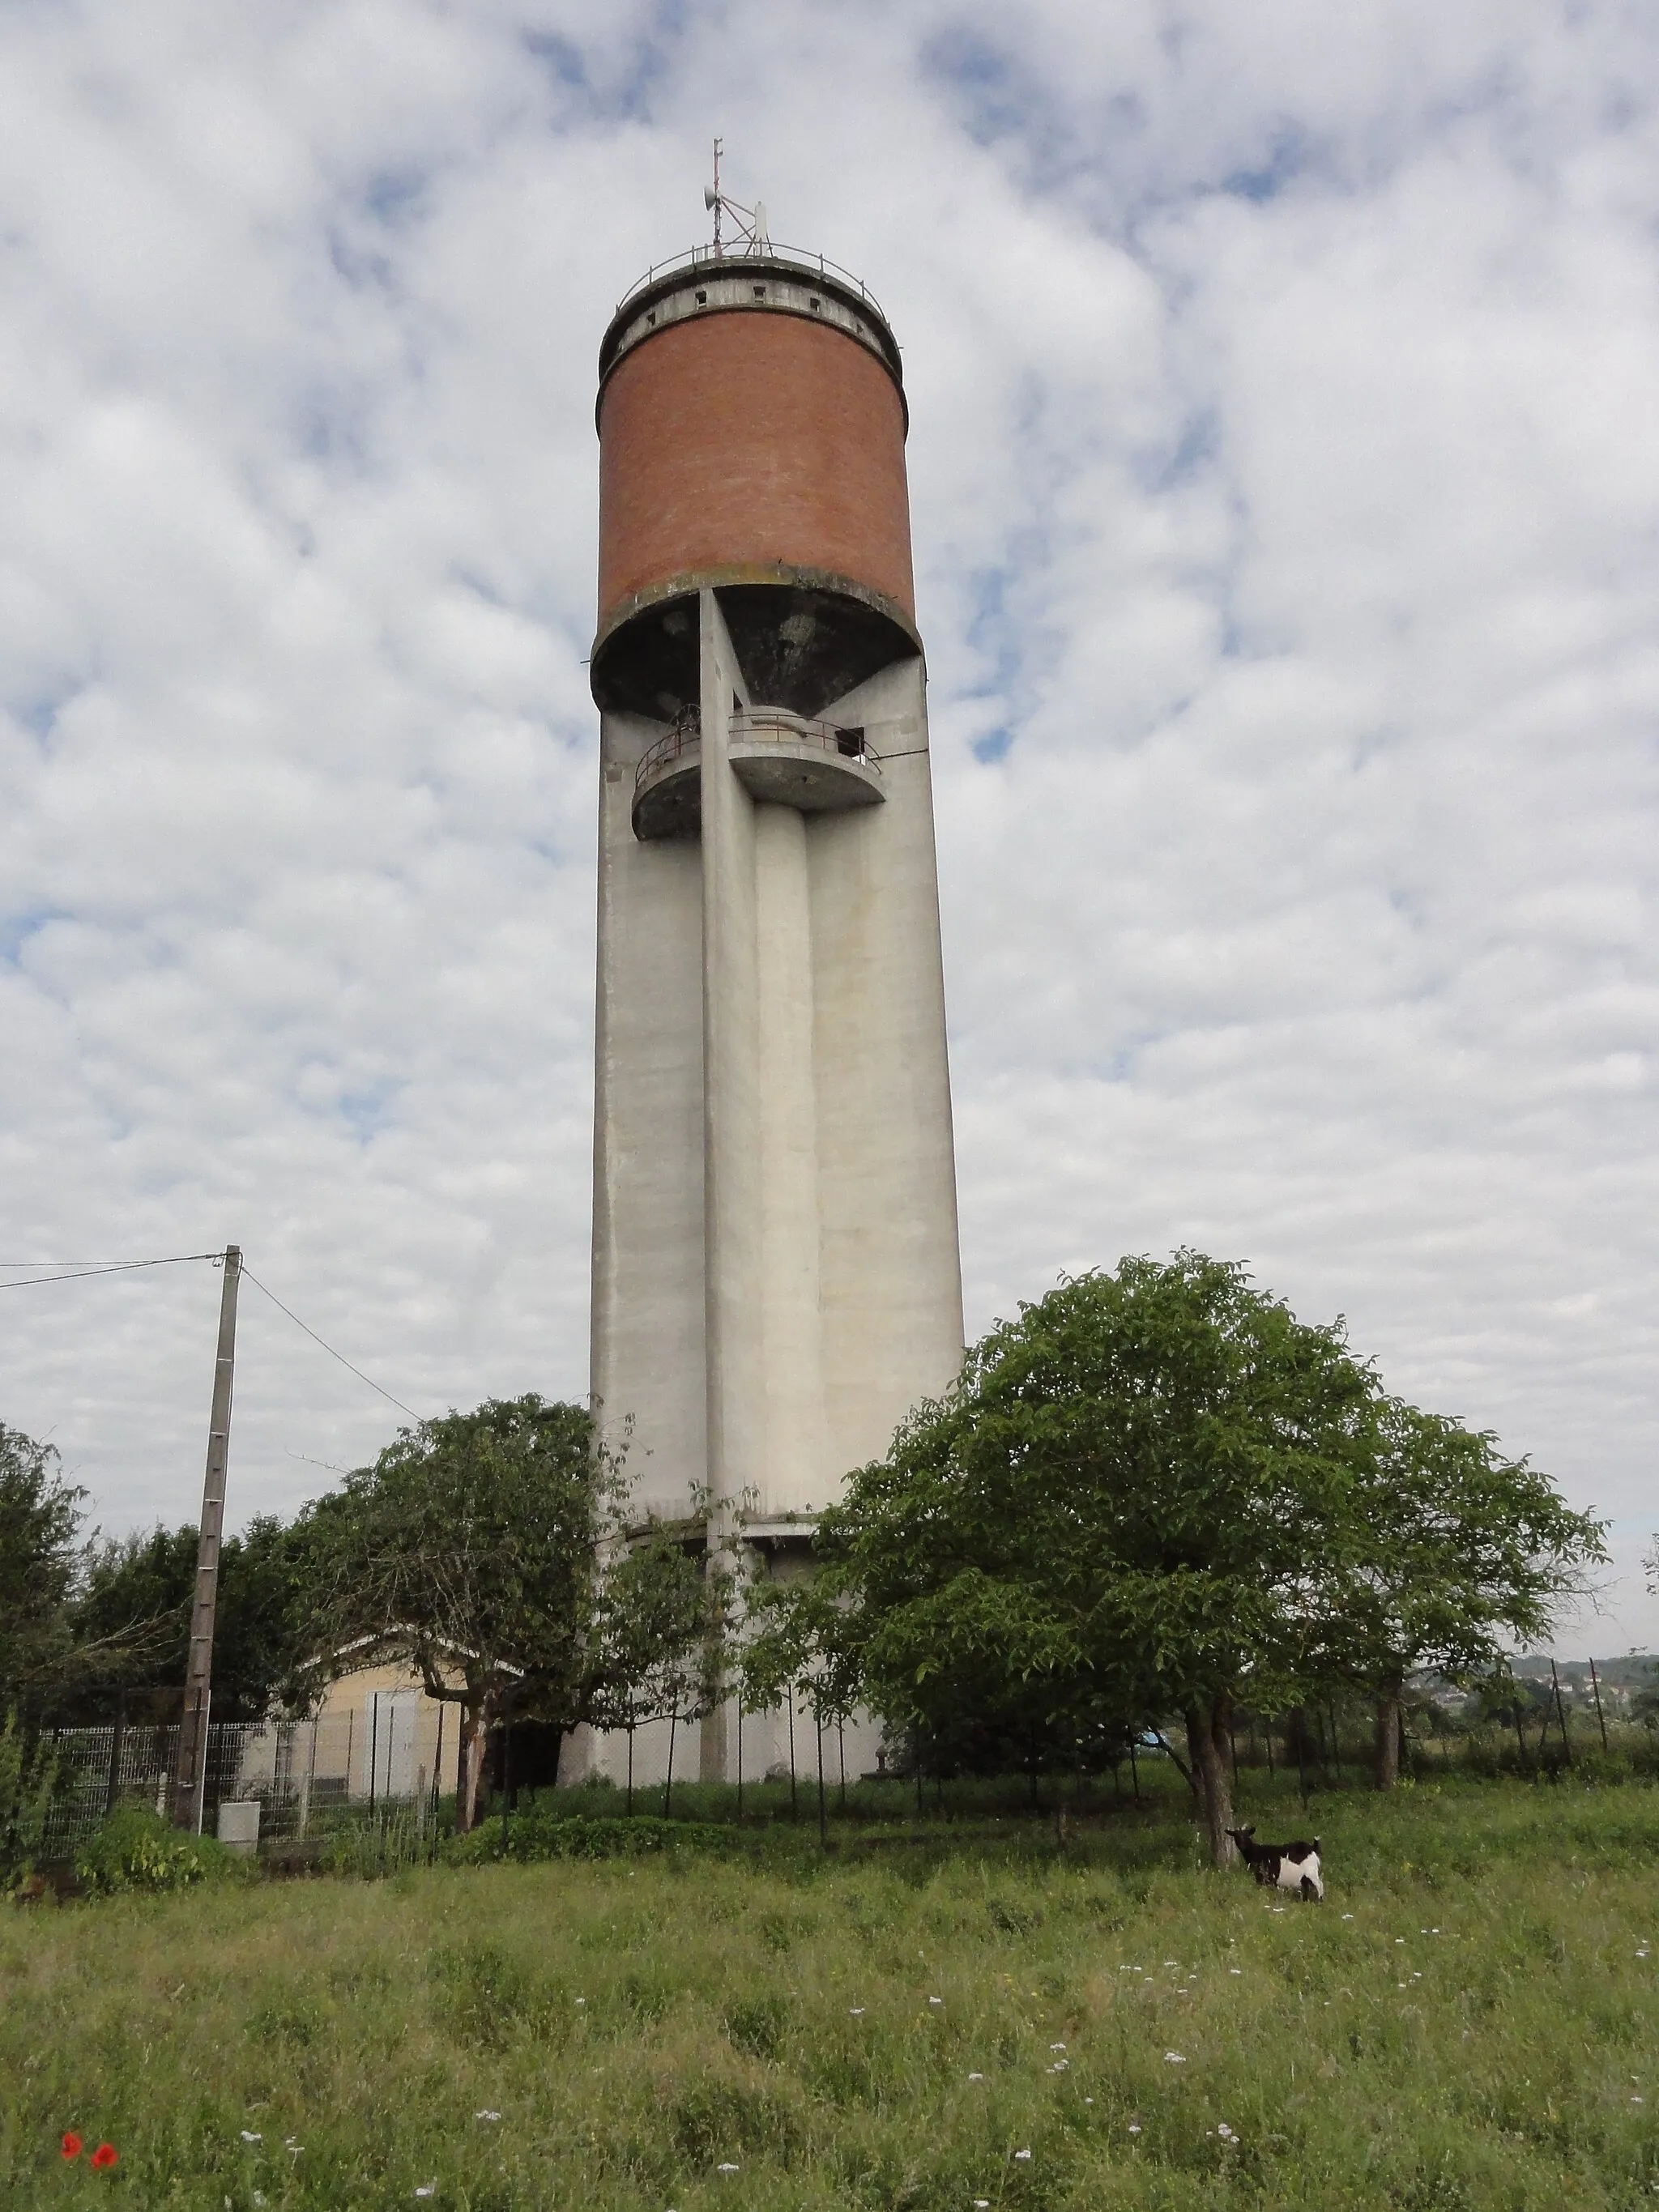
27,1774
136,1850
537,1836
373,1848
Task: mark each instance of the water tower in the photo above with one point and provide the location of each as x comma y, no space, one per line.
776,1278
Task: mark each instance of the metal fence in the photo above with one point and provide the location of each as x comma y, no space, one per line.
302,1774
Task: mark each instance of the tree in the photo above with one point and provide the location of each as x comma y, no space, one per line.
658,1622
1452,1552
40,1517
1112,1515
471,1551
264,1642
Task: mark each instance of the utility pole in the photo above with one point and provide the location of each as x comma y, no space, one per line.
190,1772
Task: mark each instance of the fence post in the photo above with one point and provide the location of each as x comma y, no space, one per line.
1600,1717
116,1736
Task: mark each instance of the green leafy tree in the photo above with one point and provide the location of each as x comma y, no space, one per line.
1451,1554
264,1645
1115,1514
660,1614
473,1550
40,1517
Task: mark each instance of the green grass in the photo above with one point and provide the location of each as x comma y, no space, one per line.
1476,2034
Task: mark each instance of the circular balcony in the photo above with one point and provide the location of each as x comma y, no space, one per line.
781,758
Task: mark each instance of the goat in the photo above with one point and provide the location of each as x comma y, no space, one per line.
1282,1866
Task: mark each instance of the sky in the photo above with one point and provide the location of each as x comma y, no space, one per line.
1284,472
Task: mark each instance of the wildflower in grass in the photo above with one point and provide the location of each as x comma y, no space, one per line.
936,2001
1134,2127
976,2077
1235,1970
249,2135
105,2156
71,2146
856,2012
1173,2058
426,2189
1347,1916
486,2116
1056,2046
725,2169
1022,2153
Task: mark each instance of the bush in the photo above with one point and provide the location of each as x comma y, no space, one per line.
27,1774
370,1849
537,1835
136,1850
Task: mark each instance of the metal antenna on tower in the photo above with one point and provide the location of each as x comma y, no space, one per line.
750,221
711,198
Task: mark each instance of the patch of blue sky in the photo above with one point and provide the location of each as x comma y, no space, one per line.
331,426
1001,102
37,712
621,92
1288,157
366,1112
1176,461
18,930
395,196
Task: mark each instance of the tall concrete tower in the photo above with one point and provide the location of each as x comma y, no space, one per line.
776,1277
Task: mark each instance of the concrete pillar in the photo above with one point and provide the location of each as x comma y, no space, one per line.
795,1477
732,1211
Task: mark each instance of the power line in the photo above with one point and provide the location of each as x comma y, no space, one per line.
73,1270
328,1347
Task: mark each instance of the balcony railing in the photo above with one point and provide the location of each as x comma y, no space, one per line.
706,257
758,724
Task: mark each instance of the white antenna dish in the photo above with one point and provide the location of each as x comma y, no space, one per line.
710,197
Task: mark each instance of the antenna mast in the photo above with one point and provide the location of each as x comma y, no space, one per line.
750,221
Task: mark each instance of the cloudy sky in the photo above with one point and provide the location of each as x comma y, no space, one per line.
1285,458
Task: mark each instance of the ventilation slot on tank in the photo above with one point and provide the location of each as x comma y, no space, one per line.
759,291
702,299
817,305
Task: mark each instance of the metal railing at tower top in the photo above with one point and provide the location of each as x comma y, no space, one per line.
769,724
706,257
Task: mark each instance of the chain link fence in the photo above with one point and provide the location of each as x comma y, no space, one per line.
301,1774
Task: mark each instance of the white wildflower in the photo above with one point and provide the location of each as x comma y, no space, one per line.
727,2169
486,2116
1022,2153
976,2077
427,2189
249,2135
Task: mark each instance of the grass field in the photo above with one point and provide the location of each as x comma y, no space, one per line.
931,2020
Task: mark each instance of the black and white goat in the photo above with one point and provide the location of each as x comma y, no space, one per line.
1282,1866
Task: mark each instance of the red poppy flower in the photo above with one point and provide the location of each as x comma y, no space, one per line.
104,2156
71,2146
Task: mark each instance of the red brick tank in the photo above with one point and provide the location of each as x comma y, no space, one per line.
751,423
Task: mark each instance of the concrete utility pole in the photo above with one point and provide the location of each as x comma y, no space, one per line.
190,1773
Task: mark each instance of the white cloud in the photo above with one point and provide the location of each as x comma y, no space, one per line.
1283,466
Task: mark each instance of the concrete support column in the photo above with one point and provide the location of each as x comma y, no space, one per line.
794,1478
731,1124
